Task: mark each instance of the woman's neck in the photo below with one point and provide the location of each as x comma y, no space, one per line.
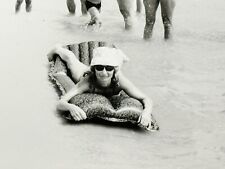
104,84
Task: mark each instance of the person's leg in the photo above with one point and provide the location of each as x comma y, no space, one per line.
95,16
167,7
139,6
18,4
83,7
28,5
71,6
150,12
127,10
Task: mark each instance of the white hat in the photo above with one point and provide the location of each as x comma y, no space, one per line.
108,56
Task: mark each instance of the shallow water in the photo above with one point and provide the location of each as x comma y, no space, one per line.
184,77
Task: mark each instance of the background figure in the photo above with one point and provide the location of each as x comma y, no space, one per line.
19,2
83,7
127,10
72,6
139,6
94,8
167,7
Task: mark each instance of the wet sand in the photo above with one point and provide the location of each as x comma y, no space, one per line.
184,77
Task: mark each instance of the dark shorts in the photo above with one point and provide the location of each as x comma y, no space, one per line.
90,5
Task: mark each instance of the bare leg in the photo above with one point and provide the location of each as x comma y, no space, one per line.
83,7
71,6
150,11
127,10
167,7
95,16
28,5
139,6
18,4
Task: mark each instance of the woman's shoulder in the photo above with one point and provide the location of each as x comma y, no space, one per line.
121,77
123,80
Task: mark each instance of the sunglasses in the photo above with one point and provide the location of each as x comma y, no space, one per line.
101,68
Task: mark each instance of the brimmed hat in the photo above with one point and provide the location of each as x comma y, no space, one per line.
108,56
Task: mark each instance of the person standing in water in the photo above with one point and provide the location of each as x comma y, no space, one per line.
167,7
28,5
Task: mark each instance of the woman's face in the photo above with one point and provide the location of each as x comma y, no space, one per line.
104,74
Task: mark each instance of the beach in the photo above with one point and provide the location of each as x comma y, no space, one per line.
184,77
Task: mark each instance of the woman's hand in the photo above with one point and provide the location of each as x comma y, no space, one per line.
145,119
77,113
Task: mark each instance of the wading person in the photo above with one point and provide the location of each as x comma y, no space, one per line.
94,8
167,7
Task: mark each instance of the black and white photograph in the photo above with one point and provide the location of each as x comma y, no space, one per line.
112,84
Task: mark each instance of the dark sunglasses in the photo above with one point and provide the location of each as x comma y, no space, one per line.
101,68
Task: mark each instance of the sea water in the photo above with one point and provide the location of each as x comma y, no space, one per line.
185,78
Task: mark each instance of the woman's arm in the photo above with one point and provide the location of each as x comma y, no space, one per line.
134,92
76,67
76,112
